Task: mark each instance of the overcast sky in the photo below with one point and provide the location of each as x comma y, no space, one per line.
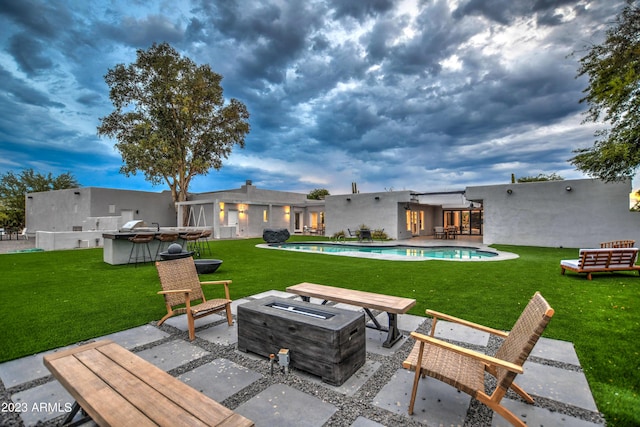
424,95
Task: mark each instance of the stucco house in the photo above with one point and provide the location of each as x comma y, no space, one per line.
247,211
569,213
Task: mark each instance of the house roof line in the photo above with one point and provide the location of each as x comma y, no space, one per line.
435,193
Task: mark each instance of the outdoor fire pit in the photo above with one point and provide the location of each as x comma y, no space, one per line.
175,251
322,340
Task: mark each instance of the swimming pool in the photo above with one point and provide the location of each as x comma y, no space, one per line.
391,252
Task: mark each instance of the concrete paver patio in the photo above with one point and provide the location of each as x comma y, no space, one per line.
378,394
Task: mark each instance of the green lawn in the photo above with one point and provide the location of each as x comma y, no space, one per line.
51,299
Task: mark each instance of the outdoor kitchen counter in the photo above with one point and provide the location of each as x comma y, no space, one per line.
117,246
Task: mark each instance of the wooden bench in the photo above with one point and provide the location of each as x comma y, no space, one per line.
601,260
115,387
618,244
367,300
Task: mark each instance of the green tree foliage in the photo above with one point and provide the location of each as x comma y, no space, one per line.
13,188
541,177
170,119
318,194
613,96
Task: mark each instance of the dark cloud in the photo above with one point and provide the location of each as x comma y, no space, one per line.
142,33
18,91
360,9
29,54
44,19
405,95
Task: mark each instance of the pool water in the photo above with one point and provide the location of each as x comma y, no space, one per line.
429,252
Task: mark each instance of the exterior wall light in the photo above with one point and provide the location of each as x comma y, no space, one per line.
77,193
568,188
509,191
377,197
348,199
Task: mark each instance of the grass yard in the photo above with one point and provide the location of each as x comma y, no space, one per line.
52,299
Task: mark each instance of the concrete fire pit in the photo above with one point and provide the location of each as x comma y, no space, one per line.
325,341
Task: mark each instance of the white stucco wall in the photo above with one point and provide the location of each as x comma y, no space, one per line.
546,214
53,241
348,211
62,210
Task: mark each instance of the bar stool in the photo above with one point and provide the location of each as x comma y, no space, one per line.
203,241
193,245
165,239
137,243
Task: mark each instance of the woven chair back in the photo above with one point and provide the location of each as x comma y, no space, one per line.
523,337
179,274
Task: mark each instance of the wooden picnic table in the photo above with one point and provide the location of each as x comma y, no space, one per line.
392,305
116,387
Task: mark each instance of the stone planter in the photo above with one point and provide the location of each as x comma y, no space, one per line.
207,266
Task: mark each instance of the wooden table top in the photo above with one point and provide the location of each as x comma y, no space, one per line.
388,303
116,387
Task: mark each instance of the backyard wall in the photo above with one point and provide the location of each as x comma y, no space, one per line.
570,213
64,210
52,241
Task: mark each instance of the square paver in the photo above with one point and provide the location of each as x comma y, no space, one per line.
180,321
221,334
437,403
219,379
345,306
536,416
560,351
43,402
406,322
284,406
136,337
29,368
236,303
376,338
172,354
365,422
352,384
273,293
557,384
456,332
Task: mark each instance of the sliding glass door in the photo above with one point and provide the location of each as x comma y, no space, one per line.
466,221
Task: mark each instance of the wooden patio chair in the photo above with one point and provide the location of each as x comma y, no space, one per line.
181,287
464,369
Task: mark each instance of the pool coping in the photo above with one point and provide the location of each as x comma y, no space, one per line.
501,255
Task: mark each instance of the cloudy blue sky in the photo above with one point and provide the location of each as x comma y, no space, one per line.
426,95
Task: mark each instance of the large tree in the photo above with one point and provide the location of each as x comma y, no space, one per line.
170,119
613,96
13,188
